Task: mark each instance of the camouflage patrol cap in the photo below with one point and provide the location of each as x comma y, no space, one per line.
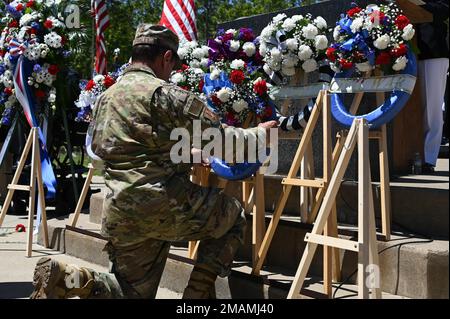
158,35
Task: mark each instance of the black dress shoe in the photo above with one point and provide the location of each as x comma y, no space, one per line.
428,169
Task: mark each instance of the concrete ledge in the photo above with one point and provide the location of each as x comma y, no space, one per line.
408,268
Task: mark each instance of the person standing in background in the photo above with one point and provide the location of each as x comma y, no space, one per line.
433,67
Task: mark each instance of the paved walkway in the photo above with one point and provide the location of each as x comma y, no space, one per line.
16,270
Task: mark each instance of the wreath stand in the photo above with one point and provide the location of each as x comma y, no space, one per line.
366,246
252,198
87,183
36,183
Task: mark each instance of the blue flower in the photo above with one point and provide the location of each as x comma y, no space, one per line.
37,68
2,68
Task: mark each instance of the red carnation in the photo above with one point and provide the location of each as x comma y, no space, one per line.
346,64
185,87
237,76
8,91
353,11
13,24
53,69
383,58
2,53
402,21
109,81
201,84
19,7
216,100
377,16
40,94
331,54
20,228
90,85
227,37
400,51
184,67
31,31
63,40
260,87
30,4
48,24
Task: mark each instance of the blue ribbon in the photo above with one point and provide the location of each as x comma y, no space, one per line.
48,175
359,41
215,85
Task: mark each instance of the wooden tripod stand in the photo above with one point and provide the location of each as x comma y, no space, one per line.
366,246
35,182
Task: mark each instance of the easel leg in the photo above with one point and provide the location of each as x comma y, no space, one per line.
325,209
15,180
374,258
32,197
281,203
82,198
363,210
259,215
385,185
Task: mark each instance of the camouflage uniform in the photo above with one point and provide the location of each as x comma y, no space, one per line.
150,201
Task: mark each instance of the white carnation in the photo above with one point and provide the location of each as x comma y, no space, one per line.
183,53
288,25
249,49
267,32
224,94
364,67
400,63
232,31
205,49
297,17
276,54
408,32
98,78
237,64
234,45
240,105
321,42
178,78
215,74
382,42
310,31
320,22
309,65
198,53
280,17
195,64
27,18
204,62
292,44
357,24
304,52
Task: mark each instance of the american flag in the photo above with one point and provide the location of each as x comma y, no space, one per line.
179,16
101,18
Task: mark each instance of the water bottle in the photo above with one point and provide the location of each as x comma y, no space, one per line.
417,165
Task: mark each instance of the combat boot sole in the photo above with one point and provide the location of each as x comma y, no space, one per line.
46,276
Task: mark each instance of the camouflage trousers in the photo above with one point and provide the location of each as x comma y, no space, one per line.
137,266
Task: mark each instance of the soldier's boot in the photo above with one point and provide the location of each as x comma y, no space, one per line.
201,284
56,280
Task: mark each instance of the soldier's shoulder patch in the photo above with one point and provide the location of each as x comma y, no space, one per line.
194,107
176,93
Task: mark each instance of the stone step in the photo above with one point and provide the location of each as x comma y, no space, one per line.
409,268
420,203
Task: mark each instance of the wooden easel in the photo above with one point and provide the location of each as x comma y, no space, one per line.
87,183
366,246
252,198
321,106
35,181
